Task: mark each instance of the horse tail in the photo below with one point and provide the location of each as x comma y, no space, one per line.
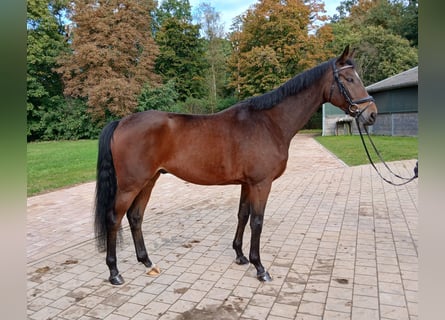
106,185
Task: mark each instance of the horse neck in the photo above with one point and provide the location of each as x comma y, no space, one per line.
294,112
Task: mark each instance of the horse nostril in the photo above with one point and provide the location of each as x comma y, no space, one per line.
373,116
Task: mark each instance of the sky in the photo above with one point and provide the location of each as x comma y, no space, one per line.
229,9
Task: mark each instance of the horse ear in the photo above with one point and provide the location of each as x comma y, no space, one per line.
345,55
352,55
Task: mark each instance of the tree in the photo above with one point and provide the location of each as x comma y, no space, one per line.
397,16
381,54
45,42
284,34
216,49
181,55
162,98
113,54
374,28
409,23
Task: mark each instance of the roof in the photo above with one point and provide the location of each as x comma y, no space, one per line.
408,78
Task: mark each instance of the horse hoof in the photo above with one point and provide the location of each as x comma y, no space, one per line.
242,260
264,277
153,271
116,280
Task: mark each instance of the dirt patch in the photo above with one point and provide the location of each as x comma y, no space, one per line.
342,281
39,273
180,290
222,312
190,243
43,270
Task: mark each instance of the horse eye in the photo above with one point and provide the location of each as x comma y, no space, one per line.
350,79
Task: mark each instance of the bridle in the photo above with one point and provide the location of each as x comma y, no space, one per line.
356,112
353,108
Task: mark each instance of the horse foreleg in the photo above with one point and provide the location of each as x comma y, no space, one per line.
243,217
135,217
258,198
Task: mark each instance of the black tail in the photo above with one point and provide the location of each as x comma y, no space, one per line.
106,185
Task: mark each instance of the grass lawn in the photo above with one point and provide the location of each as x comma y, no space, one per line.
56,164
350,149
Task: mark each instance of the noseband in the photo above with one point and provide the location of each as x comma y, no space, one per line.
353,108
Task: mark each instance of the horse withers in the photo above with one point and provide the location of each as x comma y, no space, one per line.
246,144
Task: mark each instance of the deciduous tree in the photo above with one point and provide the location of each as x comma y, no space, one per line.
113,54
375,29
282,34
217,48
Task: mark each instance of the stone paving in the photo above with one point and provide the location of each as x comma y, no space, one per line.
338,242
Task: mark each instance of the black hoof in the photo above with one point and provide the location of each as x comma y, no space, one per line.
242,260
264,277
116,280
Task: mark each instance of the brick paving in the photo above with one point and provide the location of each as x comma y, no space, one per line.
338,242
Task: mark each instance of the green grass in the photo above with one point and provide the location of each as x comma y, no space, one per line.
57,164
350,149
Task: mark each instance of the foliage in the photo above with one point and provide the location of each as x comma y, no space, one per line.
45,41
373,29
273,42
69,119
217,49
382,54
162,98
113,54
396,16
181,56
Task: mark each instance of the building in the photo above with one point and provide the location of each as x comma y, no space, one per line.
396,99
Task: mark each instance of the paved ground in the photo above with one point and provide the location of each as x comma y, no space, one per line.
338,242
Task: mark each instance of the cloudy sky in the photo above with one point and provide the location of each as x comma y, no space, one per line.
228,9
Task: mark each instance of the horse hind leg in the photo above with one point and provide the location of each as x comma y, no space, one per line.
114,219
135,217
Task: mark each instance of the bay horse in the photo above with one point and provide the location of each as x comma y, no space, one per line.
246,144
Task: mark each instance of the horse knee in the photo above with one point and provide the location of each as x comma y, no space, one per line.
256,223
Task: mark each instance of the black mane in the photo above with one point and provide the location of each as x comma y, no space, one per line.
293,86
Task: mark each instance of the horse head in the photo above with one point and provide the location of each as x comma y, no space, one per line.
348,92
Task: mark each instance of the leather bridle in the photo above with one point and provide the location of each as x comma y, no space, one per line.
353,108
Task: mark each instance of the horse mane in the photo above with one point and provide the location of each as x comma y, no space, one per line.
293,86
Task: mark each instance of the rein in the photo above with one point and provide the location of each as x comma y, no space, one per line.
406,180
356,113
